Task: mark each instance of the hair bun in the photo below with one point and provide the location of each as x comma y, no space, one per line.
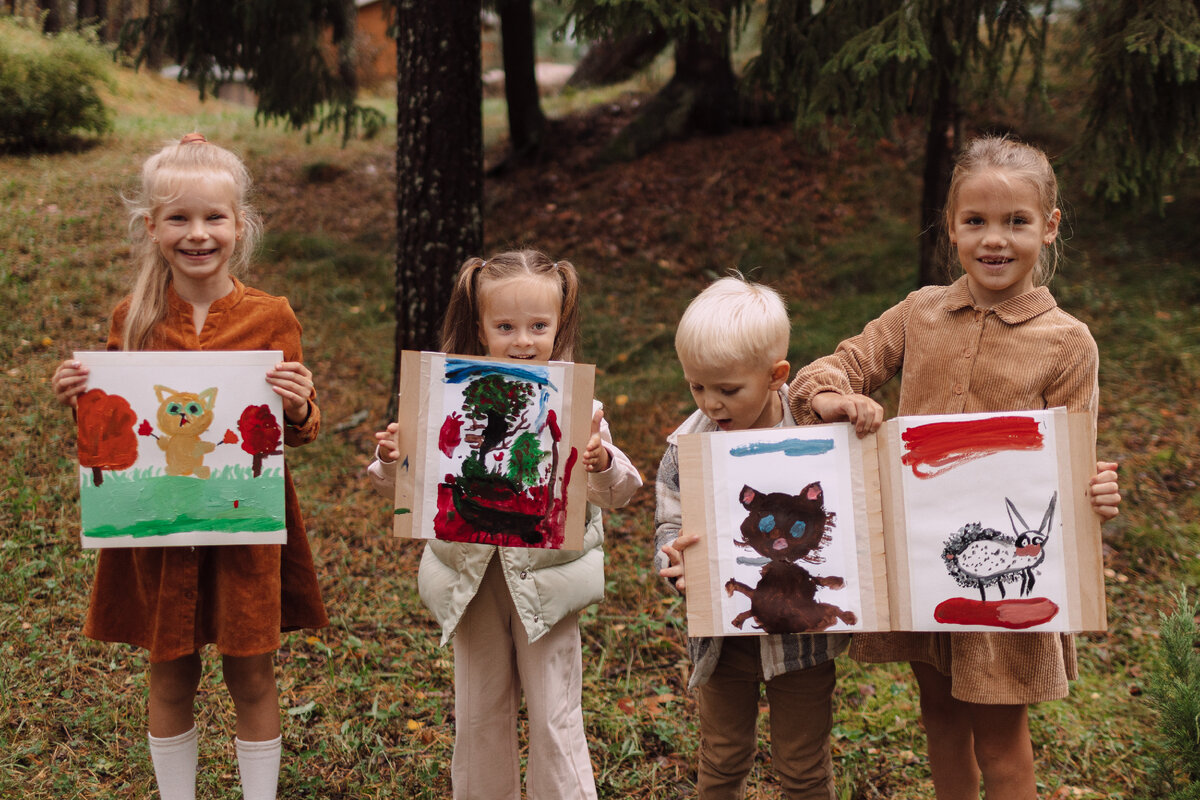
193,138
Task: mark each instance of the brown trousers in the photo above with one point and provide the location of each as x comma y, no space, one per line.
801,717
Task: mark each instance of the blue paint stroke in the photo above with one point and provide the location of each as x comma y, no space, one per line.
789,447
460,371
753,561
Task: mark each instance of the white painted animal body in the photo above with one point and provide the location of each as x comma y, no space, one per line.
978,557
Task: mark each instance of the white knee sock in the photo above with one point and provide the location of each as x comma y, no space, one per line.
174,759
258,763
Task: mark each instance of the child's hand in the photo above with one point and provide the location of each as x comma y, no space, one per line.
862,411
69,381
674,552
293,382
389,448
595,456
1104,490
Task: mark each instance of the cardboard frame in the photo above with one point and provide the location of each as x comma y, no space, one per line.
895,575
536,487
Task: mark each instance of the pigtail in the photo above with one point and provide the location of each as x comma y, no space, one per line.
460,325
566,342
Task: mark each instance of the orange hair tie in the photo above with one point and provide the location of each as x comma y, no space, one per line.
192,138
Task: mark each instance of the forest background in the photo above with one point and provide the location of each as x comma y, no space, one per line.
368,701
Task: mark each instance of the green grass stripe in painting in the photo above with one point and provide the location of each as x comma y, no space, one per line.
400,511
158,527
219,503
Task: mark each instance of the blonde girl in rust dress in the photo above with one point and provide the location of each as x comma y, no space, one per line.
192,229
994,340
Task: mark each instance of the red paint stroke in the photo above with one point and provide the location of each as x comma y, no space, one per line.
941,446
235,503
449,525
230,437
450,436
1014,614
145,430
552,421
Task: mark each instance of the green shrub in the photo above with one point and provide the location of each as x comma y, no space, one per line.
1174,692
48,86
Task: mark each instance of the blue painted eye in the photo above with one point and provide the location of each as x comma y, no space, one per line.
174,409
767,523
797,529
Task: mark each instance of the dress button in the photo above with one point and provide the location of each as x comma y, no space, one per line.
967,353
958,388
536,617
524,574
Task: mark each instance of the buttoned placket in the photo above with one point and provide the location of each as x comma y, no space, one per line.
964,362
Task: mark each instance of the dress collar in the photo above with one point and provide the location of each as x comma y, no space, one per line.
1013,311
177,303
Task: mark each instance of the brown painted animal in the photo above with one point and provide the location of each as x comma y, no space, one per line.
784,529
183,417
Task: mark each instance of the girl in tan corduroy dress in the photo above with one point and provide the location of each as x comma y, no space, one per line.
191,227
994,340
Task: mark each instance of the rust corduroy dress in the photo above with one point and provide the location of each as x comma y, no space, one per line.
174,600
1023,354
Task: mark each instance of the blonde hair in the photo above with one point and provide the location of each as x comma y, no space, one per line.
734,321
164,178
460,327
1020,161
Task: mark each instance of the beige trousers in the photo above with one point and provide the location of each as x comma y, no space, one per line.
801,714
493,663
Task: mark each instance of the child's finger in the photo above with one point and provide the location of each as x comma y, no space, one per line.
597,416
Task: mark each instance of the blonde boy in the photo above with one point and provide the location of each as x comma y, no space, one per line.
732,343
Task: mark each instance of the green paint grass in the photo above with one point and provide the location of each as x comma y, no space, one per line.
144,504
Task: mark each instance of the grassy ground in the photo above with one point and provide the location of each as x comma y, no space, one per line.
367,702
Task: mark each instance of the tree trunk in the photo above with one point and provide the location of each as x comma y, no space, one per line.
525,118
940,142
93,12
610,61
439,163
53,20
700,97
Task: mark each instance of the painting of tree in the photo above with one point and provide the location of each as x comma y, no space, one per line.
261,434
106,436
497,405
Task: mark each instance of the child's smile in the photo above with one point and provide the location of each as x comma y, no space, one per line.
999,231
197,232
518,317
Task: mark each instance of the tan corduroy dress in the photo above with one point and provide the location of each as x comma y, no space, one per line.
174,600
1023,354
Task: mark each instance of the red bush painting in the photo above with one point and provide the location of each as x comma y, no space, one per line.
261,434
106,436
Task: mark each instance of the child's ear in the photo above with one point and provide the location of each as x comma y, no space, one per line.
1052,227
779,374
150,224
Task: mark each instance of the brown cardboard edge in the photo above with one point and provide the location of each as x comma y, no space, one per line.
1084,538
895,561
699,575
582,378
411,414
871,549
